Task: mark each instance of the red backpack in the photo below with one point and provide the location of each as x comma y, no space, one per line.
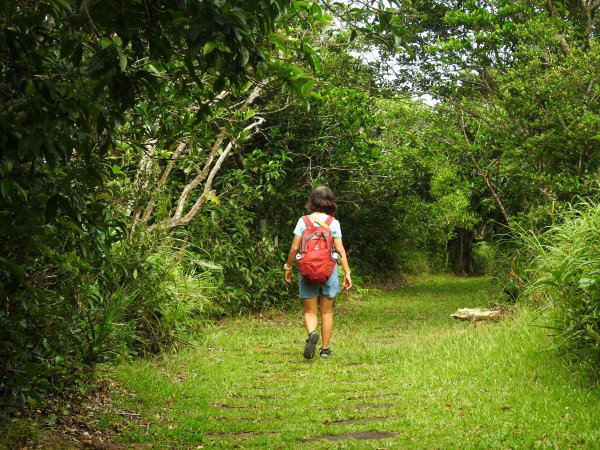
316,258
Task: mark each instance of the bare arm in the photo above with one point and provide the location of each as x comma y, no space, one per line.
292,258
339,247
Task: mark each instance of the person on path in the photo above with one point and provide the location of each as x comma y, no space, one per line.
321,204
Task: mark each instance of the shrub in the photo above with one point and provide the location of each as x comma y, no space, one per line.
232,239
174,295
565,274
132,295
414,261
483,257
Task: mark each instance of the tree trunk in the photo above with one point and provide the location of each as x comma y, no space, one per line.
460,252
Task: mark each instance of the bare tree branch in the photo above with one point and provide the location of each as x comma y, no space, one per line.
590,10
562,42
201,176
177,220
210,169
485,176
163,180
142,175
213,152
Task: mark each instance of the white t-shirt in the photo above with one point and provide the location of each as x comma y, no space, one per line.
335,228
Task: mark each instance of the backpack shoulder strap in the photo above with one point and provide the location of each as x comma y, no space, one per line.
323,224
308,222
329,220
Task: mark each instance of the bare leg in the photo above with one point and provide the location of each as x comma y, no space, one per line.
310,314
326,320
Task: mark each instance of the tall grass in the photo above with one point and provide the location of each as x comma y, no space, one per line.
564,274
175,295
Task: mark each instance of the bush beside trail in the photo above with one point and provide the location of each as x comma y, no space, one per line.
564,275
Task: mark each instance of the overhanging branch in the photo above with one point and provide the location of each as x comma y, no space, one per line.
178,220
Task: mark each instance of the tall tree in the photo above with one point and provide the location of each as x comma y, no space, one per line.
75,79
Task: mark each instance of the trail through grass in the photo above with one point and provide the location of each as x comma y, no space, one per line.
404,375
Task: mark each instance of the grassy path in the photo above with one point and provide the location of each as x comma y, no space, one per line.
404,376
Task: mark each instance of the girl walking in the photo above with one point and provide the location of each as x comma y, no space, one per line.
321,204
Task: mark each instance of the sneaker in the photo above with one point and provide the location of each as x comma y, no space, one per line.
325,353
311,345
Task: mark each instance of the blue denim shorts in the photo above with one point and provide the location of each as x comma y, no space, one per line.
330,289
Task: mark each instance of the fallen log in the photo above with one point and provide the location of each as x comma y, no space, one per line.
478,314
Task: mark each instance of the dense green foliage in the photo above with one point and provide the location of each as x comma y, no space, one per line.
154,156
84,87
564,273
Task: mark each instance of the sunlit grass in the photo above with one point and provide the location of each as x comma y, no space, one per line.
401,365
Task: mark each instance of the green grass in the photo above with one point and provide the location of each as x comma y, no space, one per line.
401,365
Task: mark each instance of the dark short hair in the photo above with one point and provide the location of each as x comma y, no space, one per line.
322,200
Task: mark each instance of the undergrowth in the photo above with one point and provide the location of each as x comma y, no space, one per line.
564,275
139,295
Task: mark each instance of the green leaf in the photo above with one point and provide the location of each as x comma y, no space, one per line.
61,4
592,333
32,369
11,267
209,47
307,86
122,60
117,170
29,88
397,41
586,283
5,188
245,56
103,196
154,70
6,166
72,226
208,264
8,188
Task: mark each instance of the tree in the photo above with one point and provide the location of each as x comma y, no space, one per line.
74,78
518,79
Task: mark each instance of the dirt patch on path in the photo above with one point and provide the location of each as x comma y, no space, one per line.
362,435
354,421
238,435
